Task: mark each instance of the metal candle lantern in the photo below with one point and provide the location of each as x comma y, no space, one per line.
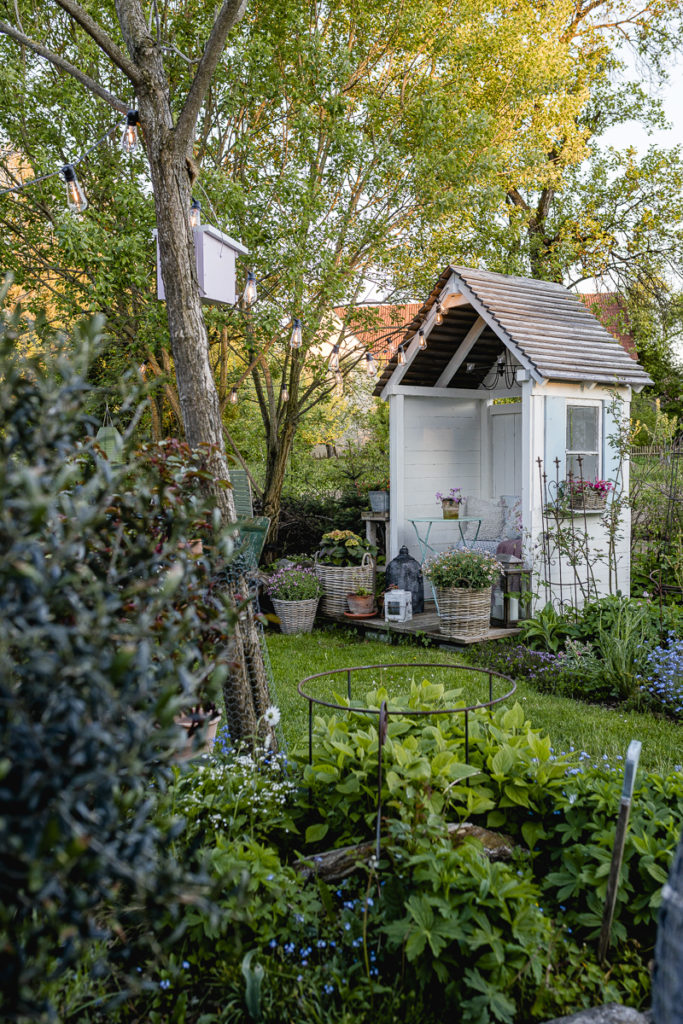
398,606
510,595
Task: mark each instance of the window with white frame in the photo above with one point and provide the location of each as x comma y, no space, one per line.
583,439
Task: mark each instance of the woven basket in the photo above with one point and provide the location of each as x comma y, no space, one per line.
296,616
340,580
464,614
590,500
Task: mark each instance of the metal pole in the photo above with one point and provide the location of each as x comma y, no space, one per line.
381,735
632,757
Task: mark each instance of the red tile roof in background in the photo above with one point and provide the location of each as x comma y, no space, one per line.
610,309
389,316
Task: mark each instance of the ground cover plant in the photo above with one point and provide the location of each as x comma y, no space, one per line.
435,923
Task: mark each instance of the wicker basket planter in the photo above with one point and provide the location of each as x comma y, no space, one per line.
340,580
592,501
296,616
464,614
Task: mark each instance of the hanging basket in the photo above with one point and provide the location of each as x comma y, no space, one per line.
464,614
592,501
296,616
340,580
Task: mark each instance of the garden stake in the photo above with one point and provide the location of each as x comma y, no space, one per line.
632,757
381,736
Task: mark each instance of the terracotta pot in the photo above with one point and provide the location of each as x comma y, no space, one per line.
361,604
207,730
450,508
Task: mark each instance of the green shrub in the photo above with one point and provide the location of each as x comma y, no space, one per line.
107,628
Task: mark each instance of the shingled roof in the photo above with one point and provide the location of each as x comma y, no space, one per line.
544,325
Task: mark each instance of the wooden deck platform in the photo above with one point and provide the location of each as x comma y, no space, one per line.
425,624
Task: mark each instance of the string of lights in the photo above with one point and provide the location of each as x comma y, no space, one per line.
68,170
77,203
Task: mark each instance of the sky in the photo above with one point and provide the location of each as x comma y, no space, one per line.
633,134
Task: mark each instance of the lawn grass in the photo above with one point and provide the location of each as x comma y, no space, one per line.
588,727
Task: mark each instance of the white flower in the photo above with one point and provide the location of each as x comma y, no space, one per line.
272,716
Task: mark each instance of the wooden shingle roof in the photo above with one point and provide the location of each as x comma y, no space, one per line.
543,324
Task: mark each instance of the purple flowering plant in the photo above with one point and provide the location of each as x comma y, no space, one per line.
453,495
293,583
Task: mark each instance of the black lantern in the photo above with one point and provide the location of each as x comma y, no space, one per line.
405,573
511,595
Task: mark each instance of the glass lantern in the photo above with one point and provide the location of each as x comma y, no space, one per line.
511,595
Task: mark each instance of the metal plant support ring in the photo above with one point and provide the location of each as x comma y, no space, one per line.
384,711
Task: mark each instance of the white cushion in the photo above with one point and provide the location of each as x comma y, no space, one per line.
512,517
491,515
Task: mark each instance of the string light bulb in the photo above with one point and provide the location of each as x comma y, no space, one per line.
285,394
469,367
249,296
334,358
438,319
401,357
129,139
296,339
75,196
370,365
421,339
339,383
233,396
195,213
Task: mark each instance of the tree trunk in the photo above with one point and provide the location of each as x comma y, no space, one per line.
279,448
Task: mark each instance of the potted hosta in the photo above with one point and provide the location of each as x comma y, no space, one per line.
344,562
450,503
295,592
462,582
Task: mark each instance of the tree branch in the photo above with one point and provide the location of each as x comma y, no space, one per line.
64,65
103,40
229,15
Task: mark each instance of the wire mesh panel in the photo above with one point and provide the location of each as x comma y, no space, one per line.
249,690
667,982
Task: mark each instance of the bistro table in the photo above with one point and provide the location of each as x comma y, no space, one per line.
423,538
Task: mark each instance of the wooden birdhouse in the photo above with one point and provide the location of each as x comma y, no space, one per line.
215,255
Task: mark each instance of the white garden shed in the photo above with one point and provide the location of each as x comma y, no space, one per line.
481,337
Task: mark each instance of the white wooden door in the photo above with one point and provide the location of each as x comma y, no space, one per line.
506,450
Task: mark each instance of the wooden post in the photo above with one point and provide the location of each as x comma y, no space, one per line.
632,757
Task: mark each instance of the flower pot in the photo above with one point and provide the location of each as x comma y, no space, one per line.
296,616
379,501
464,614
340,580
361,604
190,748
450,508
590,500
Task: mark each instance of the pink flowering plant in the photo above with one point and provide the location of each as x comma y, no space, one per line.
452,495
293,583
460,567
599,486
